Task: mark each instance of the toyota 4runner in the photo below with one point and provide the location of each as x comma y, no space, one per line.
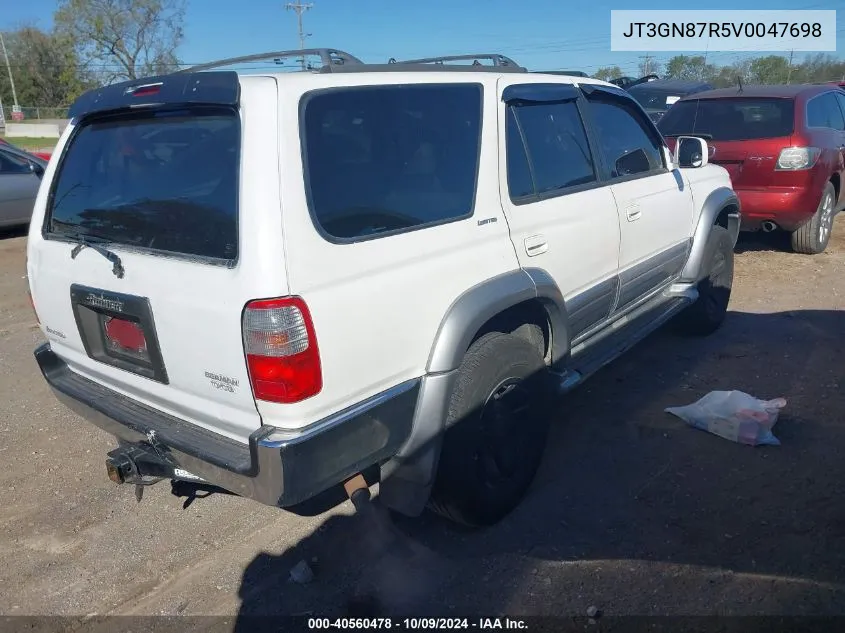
272,282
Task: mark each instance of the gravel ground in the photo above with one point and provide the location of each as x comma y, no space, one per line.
632,512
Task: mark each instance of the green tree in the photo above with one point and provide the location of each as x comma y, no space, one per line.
690,68
606,73
45,69
123,39
772,69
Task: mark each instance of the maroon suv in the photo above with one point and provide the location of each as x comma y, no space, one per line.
784,147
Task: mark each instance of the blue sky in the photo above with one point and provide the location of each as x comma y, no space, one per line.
539,34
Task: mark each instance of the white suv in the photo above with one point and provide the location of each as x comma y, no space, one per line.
272,282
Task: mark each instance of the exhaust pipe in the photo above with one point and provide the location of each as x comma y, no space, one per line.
769,226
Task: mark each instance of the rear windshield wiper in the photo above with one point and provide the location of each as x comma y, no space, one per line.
87,241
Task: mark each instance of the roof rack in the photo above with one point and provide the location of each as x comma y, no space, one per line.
329,57
498,60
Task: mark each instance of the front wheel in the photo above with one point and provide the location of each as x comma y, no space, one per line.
496,431
706,315
813,237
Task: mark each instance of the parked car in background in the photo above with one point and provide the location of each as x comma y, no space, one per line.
20,177
656,97
783,147
42,155
627,82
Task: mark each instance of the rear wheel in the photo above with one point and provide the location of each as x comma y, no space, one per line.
813,237
497,428
706,315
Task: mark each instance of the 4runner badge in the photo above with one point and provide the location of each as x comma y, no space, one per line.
221,382
101,302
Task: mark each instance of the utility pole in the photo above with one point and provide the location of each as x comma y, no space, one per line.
9,68
300,9
646,64
789,72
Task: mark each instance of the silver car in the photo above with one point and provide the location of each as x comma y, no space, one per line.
20,177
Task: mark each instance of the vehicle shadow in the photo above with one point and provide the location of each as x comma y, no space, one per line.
631,507
778,241
12,232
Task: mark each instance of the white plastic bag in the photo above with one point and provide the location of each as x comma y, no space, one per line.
735,416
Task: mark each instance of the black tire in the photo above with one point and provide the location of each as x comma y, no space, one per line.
707,313
814,236
498,408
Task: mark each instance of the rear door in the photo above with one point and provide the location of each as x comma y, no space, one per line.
562,217
185,200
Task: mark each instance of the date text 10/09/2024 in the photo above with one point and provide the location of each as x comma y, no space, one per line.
413,624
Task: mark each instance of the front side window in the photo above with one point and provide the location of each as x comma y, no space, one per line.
11,164
629,148
386,159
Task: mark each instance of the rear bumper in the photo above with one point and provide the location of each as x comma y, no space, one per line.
788,207
277,467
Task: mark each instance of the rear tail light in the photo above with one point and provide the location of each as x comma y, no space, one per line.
281,350
796,158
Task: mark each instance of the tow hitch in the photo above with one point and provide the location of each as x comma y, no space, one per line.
142,465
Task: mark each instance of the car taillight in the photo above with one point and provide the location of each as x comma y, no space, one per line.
795,158
281,350
32,303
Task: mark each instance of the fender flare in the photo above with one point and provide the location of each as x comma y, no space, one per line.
407,478
714,204
473,308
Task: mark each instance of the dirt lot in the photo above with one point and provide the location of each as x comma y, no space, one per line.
632,511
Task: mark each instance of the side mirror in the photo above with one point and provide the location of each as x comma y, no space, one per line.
691,151
635,162
36,169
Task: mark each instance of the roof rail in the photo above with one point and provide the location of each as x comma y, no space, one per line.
328,57
498,60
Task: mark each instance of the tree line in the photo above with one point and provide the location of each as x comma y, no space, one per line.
92,43
768,69
96,42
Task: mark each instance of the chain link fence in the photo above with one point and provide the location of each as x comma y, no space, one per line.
32,113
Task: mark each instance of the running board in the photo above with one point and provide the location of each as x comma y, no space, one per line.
622,334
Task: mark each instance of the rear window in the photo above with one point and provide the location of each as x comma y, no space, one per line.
734,119
166,181
386,159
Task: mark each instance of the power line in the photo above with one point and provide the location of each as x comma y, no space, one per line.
300,9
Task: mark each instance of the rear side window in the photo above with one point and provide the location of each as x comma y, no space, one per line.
556,145
823,111
386,159
730,119
164,181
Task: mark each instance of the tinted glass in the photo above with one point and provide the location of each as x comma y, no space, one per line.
840,97
168,182
12,164
653,99
621,132
390,158
733,119
519,172
557,145
823,111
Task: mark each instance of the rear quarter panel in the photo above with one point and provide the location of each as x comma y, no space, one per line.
377,304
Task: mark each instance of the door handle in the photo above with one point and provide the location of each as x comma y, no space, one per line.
536,245
632,212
